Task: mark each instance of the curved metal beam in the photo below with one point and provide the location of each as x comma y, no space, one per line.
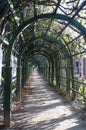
44,49
45,38
48,57
34,19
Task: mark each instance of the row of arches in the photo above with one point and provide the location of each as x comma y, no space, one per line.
58,64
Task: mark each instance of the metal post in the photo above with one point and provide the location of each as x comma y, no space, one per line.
46,72
49,73
18,91
7,96
56,72
68,80
58,75
23,74
52,73
26,70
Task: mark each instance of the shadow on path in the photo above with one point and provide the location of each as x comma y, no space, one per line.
43,109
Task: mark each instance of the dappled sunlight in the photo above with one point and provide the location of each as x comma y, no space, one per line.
45,110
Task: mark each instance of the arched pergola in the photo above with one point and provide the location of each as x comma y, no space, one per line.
42,30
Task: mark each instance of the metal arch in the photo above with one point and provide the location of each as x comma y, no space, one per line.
19,64
48,15
38,47
9,49
30,55
66,54
51,63
51,57
47,56
45,50
42,51
45,38
36,63
35,52
27,45
42,63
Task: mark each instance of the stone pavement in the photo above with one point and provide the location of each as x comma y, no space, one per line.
45,110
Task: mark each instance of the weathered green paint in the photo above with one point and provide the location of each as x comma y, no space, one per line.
7,96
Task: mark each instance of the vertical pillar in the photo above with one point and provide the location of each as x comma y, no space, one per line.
23,73
26,71
68,80
52,75
46,72
58,75
49,73
72,75
3,75
7,96
56,72
18,90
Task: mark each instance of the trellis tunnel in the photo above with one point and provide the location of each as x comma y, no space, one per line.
49,50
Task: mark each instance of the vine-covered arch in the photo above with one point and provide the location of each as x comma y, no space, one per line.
58,30
42,16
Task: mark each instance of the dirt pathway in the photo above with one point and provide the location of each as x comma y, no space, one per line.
43,109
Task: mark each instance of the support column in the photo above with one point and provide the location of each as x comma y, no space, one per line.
23,73
58,75
68,80
72,75
52,75
7,96
26,71
18,90
49,74
46,71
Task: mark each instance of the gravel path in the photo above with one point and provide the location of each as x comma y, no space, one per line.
44,110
